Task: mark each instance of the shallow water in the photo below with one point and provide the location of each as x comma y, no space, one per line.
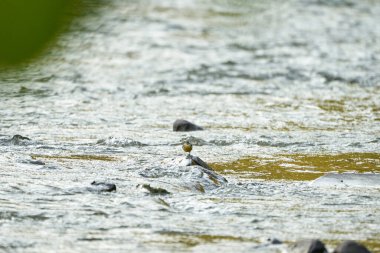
286,92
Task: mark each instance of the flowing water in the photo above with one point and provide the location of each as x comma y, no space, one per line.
287,91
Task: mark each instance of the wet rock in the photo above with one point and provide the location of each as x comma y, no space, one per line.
95,187
195,160
189,173
336,77
32,161
270,243
274,241
316,246
36,162
120,142
162,202
334,3
348,180
18,139
191,160
179,178
102,187
194,141
308,246
351,247
181,125
154,190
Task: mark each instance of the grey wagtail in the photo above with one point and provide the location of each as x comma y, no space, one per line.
187,147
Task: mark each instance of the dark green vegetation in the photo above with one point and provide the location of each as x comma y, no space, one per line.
300,166
28,27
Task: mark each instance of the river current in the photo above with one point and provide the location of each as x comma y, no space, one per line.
286,91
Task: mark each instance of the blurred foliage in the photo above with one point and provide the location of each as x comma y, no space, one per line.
27,26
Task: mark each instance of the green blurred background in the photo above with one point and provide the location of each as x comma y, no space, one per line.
29,26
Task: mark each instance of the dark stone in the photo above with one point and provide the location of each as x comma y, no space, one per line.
274,241
316,246
348,180
37,162
309,246
17,139
154,190
195,160
351,247
103,187
181,125
34,162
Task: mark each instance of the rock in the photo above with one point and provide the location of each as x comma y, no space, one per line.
195,141
102,187
191,160
154,190
36,162
351,247
195,160
269,245
95,187
348,180
17,139
120,142
316,246
175,177
181,125
308,246
31,161
181,174
274,241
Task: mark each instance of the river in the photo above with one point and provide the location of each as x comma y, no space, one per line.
286,91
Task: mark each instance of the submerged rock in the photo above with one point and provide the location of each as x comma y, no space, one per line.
190,173
95,187
191,160
181,125
154,190
268,246
348,180
102,187
18,139
308,246
351,247
119,142
274,241
177,177
32,161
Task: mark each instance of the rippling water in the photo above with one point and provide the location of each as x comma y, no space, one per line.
294,85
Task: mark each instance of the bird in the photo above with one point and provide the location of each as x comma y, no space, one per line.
193,160
187,147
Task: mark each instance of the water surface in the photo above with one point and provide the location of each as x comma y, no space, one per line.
286,92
